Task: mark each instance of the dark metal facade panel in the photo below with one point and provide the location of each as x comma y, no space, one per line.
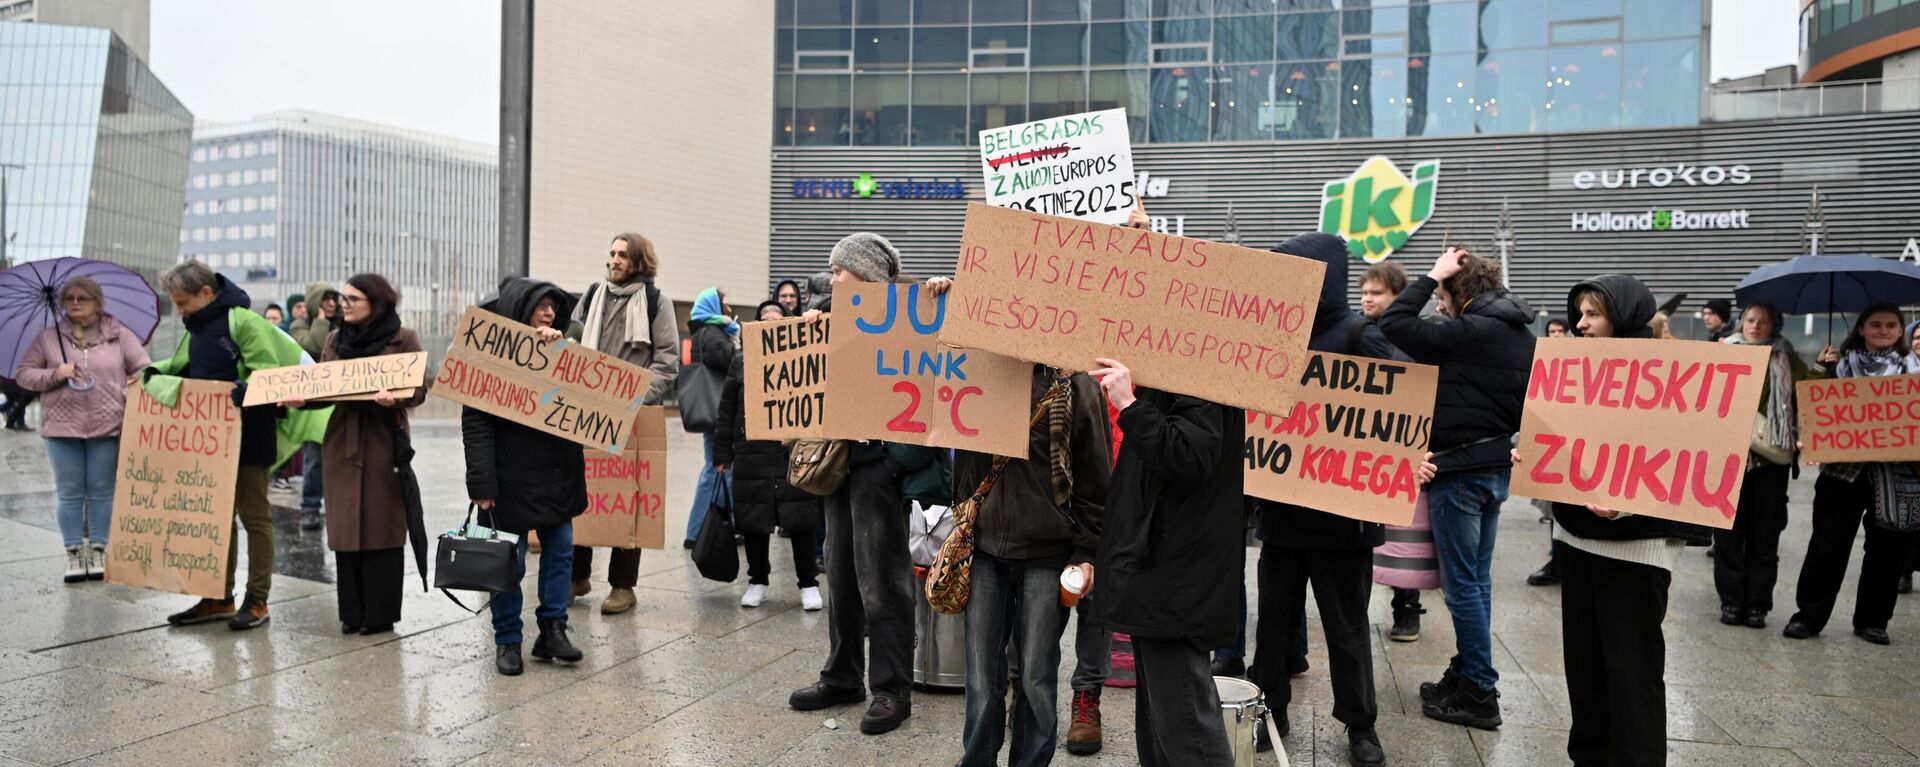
1867,168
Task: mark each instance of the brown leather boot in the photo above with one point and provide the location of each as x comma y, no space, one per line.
1083,736
620,601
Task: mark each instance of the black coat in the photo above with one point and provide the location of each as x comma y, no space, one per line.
1172,551
762,497
1484,358
535,479
1338,329
213,356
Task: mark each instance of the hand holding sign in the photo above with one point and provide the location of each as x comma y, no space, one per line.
1116,380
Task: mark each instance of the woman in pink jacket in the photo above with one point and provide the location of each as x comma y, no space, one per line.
83,363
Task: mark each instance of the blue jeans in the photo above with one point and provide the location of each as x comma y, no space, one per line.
83,474
555,584
312,485
1465,507
1006,594
703,492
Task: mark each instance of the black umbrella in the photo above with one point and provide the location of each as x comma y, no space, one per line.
410,495
1839,283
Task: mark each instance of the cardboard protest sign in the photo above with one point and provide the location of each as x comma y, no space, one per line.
1645,426
1219,322
173,501
332,380
1077,165
626,493
398,394
785,384
893,380
1353,443
559,387
1859,419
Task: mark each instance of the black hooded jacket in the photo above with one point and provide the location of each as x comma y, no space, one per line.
213,356
1630,306
1171,554
1484,356
535,479
1337,328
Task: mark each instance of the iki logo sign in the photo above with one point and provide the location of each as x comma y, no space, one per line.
1377,209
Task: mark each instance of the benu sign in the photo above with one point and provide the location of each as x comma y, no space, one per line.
1377,209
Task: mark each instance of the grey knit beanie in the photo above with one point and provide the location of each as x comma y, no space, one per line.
868,256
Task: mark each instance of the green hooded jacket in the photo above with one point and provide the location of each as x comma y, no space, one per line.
262,346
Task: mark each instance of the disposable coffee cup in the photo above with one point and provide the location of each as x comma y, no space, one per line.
1072,584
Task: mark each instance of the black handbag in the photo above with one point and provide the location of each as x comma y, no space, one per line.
714,553
697,390
475,564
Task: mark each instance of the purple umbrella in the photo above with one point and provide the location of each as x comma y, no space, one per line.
30,302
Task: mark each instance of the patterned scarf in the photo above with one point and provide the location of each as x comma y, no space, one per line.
1059,403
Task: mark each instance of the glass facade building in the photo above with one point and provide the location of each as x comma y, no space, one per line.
936,72
297,197
93,146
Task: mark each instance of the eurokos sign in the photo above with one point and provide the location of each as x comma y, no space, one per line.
865,185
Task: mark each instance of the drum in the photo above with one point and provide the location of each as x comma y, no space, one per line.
1245,710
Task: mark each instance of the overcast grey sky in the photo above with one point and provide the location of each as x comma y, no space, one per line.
434,65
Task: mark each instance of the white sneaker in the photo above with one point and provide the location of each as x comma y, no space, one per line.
756,594
97,562
810,599
76,564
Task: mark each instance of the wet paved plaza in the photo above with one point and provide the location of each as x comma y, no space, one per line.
92,674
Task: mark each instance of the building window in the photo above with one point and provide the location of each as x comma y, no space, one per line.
233,232
1660,83
249,232
880,110
250,259
269,146
1056,94
1180,105
1511,96
1059,45
1127,89
185,235
270,202
199,207
251,148
214,234
269,175
1243,38
233,178
200,181
821,110
877,49
997,100
249,204
1118,43
1584,89
940,110
1242,96
250,176
214,180
268,230
199,154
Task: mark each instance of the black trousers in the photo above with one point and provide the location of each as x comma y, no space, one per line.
370,584
1405,600
17,401
1746,559
759,564
623,566
1176,708
1838,509
870,630
1615,652
1342,584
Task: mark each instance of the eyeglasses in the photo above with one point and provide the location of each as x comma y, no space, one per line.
76,299
352,300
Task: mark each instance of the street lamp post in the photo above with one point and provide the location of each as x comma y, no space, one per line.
6,235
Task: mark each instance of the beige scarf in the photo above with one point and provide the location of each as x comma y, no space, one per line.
637,329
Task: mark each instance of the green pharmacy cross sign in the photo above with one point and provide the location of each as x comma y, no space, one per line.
1377,209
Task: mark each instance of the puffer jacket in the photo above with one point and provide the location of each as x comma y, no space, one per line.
109,356
535,479
762,497
1484,356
